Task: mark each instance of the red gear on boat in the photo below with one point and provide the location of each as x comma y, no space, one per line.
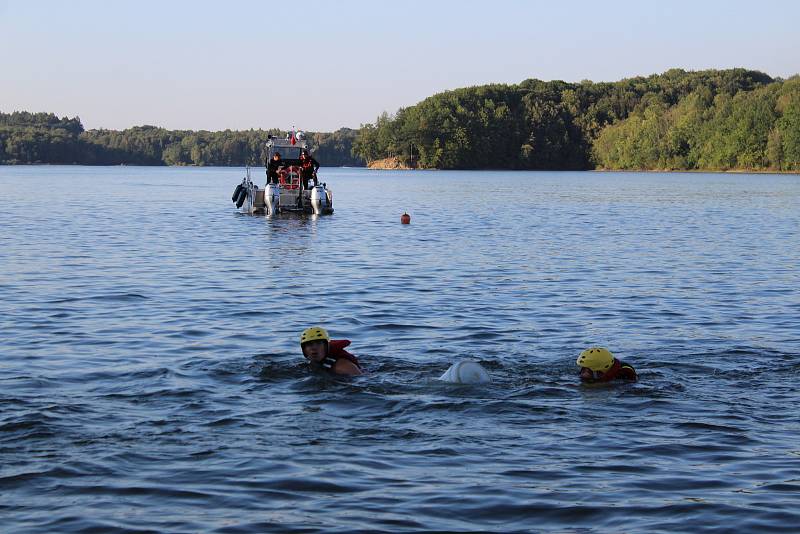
287,182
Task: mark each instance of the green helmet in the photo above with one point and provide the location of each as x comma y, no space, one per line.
596,359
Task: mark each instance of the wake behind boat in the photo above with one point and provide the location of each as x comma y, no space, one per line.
287,192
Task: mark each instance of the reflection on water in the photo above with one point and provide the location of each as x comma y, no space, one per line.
151,378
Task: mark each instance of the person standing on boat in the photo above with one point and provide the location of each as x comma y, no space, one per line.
273,167
308,168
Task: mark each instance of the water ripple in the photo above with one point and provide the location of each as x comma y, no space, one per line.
151,381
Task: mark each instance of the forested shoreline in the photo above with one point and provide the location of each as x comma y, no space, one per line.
719,120
29,138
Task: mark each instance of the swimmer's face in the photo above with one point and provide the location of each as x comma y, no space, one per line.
315,350
587,375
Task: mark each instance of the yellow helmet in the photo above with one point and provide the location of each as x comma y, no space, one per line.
313,334
596,359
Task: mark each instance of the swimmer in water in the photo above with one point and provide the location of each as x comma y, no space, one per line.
599,365
328,354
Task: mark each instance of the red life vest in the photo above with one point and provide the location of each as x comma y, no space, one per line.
619,370
335,352
307,167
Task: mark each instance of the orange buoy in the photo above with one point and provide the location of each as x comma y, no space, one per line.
405,218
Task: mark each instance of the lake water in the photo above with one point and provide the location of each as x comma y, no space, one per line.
151,380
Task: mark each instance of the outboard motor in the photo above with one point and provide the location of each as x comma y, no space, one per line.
272,199
319,200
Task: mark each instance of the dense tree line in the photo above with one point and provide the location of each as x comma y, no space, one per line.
44,138
38,137
755,130
714,119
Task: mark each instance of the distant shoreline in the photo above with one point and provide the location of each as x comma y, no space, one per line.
377,168
699,171
736,120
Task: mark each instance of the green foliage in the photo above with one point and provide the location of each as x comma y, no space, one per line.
679,120
714,119
786,135
23,119
44,138
28,137
740,131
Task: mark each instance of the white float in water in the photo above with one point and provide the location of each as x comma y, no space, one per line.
466,372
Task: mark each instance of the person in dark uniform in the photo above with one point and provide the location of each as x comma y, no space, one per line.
273,167
599,365
308,168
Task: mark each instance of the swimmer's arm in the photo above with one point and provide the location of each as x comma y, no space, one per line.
346,367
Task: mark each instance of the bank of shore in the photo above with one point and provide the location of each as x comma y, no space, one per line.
393,163
396,163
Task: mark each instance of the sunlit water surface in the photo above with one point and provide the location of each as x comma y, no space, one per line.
150,377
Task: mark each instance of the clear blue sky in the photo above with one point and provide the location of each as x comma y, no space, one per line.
321,65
